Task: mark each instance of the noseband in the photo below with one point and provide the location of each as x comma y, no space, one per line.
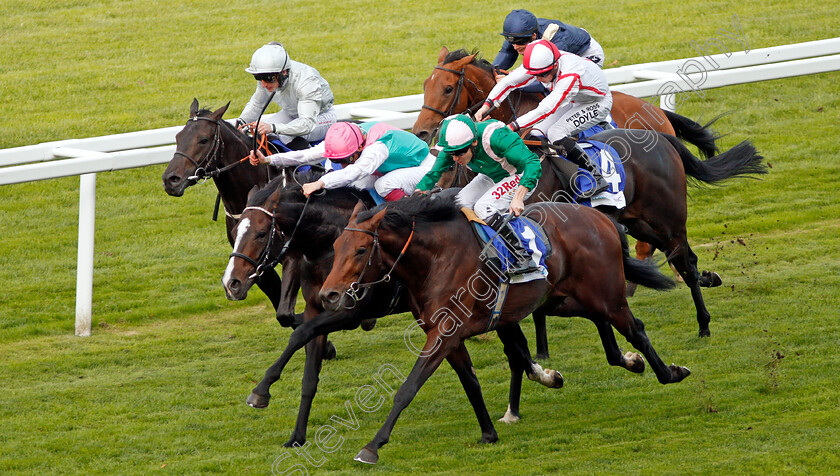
354,288
264,261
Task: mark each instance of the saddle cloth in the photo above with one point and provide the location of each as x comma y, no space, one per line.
530,233
609,163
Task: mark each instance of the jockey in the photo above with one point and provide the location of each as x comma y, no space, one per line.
304,97
507,174
579,98
374,154
522,27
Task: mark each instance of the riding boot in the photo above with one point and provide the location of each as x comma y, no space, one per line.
298,143
577,156
522,262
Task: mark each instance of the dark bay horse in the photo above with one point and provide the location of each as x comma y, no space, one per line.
279,219
209,143
462,81
452,291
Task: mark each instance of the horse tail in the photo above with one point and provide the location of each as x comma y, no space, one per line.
701,136
743,159
645,273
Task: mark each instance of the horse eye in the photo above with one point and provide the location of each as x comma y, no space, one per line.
204,140
448,90
361,251
261,235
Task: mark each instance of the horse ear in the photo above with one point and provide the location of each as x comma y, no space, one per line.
463,62
356,210
378,218
251,192
194,108
442,55
218,113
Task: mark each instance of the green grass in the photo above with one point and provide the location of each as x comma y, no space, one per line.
160,386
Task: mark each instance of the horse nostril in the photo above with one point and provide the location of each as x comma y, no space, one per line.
234,285
174,179
331,297
423,135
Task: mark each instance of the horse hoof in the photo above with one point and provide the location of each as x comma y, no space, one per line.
509,417
710,279
368,324
329,351
635,362
679,373
294,442
541,356
367,456
489,437
556,379
705,333
257,401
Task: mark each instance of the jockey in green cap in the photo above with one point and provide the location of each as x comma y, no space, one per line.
507,174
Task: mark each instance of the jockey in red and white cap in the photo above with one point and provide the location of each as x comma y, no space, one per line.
578,97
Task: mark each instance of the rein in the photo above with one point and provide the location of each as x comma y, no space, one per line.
354,288
214,154
264,261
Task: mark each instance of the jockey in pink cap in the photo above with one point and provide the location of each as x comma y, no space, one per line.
375,155
578,97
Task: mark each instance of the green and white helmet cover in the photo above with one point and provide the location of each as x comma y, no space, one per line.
456,132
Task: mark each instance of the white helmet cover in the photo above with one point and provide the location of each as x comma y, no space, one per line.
269,58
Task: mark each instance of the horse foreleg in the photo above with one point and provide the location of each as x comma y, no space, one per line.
309,386
460,361
288,291
321,324
433,353
271,285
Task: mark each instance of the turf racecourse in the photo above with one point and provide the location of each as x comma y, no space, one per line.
160,386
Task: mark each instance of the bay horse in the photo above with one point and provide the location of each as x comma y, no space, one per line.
309,228
453,291
461,81
207,145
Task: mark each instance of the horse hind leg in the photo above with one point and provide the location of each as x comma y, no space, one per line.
685,261
630,360
633,330
542,335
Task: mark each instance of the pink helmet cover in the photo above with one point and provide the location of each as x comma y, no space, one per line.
342,140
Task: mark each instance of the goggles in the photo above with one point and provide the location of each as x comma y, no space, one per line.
518,40
267,77
461,151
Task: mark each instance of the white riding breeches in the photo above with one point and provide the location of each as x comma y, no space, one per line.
486,197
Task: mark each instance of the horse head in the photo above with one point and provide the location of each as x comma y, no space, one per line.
458,82
355,251
258,241
199,148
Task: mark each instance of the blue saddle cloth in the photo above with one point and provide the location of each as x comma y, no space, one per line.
608,162
530,233
595,129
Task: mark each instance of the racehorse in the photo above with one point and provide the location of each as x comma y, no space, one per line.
308,227
278,222
208,146
462,81
453,291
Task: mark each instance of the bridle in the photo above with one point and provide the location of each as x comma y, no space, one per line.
462,76
213,155
354,288
264,261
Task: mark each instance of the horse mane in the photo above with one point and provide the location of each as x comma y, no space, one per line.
204,112
418,209
292,191
462,53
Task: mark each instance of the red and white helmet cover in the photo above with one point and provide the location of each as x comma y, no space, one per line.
540,57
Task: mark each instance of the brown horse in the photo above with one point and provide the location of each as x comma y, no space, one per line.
415,238
462,81
209,146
